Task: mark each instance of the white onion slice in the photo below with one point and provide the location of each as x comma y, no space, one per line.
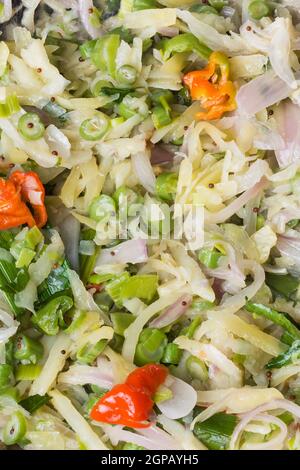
84,7
168,31
183,401
150,440
10,326
131,251
160,437
57,141
144,171
287,116
238,203
82,375
7,12
236,302
273,405
173,312
290,246
284,216
263,91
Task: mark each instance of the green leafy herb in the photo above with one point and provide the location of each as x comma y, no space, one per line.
215,432
33,403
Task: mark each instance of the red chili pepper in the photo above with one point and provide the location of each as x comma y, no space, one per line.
130,404
19,189
148,378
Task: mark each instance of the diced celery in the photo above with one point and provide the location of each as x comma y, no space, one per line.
25,258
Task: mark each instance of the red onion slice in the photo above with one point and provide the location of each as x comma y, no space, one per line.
160,155
172,313
263,91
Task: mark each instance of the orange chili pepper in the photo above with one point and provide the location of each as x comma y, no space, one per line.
33,192
212,87
19,189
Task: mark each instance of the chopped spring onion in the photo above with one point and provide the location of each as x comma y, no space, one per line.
121,322
102,208
27,350
144,5
87,48
25,258
210,258
276,317
258,9
160,117
196,368
5,375
50,317
34,402
141,286
126,75
95,128
15,429
166,186
288,357
283,285
104,53
9,107
28,371
57,281
86,247
185,42
199,8
216,431
150,347
31,127
89,352
218,4
172,354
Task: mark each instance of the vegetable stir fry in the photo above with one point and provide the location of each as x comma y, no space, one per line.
149,224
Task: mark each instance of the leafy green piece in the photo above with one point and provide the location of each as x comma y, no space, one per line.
57,282
50,317
283,285
276,317
33,403
215,432
288,357
6,239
